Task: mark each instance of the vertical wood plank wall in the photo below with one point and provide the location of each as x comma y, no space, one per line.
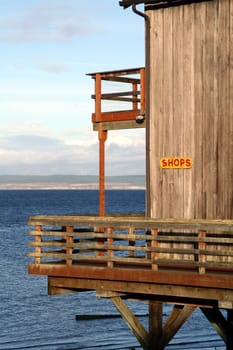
191,110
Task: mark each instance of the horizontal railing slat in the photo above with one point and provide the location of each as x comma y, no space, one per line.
93,247
139,260
139,223
126,236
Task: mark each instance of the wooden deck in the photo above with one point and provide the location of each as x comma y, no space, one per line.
175,261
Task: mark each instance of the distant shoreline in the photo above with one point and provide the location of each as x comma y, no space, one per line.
70,182
56,186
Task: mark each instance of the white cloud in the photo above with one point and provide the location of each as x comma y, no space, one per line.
47,89
46,118
127,137
23,128
46,22
37,109
31,143
34,154
52,67
43,154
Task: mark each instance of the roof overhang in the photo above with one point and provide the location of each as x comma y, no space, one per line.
156,4
128,3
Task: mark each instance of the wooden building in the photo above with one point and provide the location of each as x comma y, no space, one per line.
190,108
180,250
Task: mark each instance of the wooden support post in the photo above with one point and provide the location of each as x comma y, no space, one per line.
201,246
159,336
132,322
154,244
230,330
143,89
38,240
69,240
218,321
175,321
223,326
131,241
155,325
98,97
110,243
148,245
134,89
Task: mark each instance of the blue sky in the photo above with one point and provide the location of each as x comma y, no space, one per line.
47,47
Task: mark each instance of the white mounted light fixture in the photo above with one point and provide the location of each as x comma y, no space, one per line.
140,117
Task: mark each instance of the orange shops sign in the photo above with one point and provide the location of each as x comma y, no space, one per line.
176,163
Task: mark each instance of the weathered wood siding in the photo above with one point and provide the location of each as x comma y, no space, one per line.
191,110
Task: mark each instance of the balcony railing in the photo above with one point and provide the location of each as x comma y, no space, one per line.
119,95
133,242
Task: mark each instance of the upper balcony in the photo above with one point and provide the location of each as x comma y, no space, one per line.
119,99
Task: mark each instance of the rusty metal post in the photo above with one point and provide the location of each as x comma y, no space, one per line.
102,138
102,134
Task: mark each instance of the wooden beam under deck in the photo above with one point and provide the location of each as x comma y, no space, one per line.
158,335
115,116
170,286
120,125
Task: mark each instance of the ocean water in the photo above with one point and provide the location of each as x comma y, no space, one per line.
30,319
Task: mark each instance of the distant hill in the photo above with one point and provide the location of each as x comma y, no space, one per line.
69,181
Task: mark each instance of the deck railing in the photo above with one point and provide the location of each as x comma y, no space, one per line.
119,95
196,245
